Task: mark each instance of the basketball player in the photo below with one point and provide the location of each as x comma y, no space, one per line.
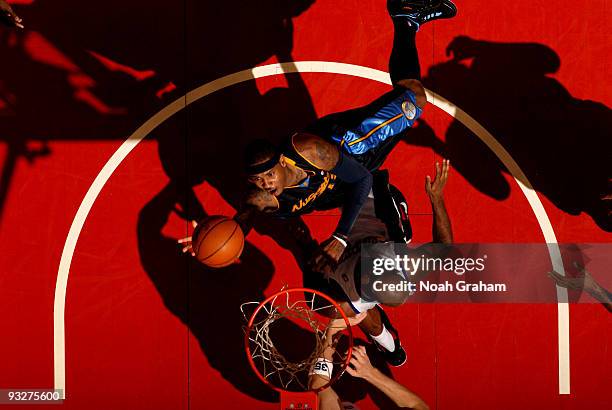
335,164
8,16
347,282
360,367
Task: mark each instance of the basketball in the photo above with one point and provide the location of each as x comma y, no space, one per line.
217,241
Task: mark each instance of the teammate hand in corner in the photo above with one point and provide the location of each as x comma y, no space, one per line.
8,16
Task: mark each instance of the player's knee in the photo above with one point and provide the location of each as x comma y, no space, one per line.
390,289
417,88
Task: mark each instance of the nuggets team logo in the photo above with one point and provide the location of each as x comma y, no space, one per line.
409,110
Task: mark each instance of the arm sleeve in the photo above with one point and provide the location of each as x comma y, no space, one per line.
359,181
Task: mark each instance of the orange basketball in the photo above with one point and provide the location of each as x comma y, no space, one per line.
217,241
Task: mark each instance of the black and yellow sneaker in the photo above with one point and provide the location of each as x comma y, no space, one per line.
419,12
398,356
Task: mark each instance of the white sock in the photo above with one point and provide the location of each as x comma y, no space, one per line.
385,339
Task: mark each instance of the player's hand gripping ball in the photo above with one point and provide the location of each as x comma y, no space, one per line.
217,241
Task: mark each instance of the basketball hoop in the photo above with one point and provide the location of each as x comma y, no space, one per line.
285,337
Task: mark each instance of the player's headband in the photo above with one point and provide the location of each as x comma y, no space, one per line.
263,166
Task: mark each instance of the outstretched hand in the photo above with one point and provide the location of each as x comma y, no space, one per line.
582,281
329,255
360,365
435,189
186,241
8,16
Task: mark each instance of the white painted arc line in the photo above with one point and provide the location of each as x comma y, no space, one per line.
545,225
264,71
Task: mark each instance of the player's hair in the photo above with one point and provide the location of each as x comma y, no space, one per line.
384,297
258,151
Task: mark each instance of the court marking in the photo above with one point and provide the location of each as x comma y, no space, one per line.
59,305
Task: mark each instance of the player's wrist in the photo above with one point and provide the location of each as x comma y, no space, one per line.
371,374
437,201
343,239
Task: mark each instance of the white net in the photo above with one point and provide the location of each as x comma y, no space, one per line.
287,336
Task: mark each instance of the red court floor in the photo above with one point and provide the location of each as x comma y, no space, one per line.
146,327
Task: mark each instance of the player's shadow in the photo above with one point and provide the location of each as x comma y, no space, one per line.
208,300
562,143
204,299
53,86
205,144
188,44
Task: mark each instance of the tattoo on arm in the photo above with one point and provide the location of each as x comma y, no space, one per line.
262,201
255,202
322,153
317,151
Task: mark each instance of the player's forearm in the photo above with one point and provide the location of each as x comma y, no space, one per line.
441,230
355,198
601,295
244,218
400,395
359,181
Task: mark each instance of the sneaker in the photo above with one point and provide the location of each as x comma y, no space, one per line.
419,12
398,356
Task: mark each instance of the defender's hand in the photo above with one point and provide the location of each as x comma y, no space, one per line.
186,242
329,255
8,16
435,189
582,281
333,248
360,365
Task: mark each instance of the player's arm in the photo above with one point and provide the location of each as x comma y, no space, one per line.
441,230
326,156
256,201
584,281
361,367
321,374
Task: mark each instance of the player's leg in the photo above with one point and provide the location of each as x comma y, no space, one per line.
382,333
394,112
364,131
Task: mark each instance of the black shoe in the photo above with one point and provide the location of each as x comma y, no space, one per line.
397,357
419,12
